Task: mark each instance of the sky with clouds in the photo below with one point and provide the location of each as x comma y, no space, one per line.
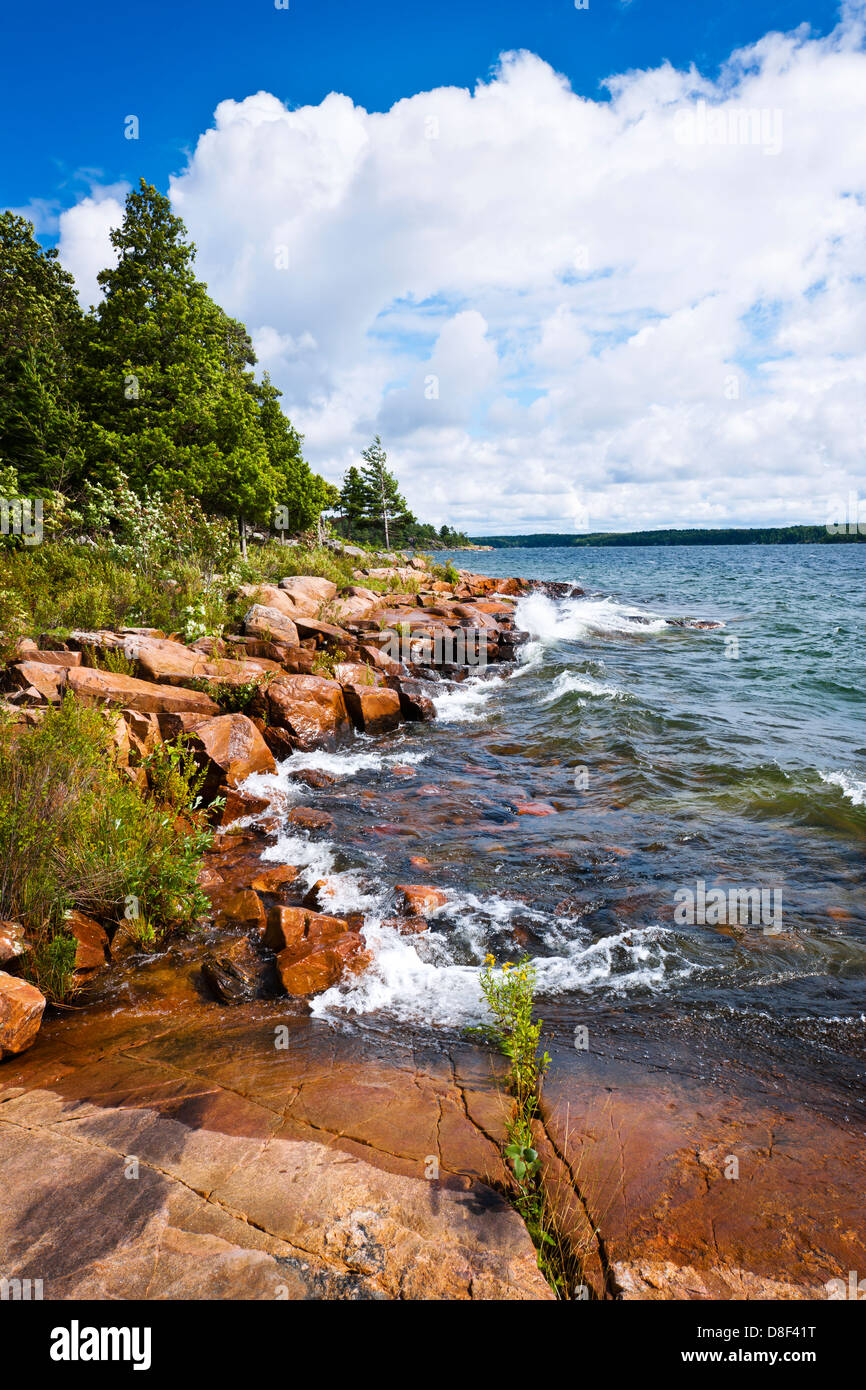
638,306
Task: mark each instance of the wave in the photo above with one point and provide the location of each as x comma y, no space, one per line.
465,701
574,683
281,785
567,620
851,786
416,981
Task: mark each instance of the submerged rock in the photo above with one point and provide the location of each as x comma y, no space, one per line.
419,899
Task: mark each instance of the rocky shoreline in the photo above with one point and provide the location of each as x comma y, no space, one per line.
193,1133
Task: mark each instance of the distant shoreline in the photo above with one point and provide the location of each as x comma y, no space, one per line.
758,535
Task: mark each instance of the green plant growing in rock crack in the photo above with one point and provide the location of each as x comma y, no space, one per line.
233,696
325,662
509,992
174,774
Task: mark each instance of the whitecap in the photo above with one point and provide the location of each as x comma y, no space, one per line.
567,620
575,683
851,786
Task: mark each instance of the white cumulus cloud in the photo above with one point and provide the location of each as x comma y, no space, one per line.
647,310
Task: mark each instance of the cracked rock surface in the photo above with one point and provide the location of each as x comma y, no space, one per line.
180,1158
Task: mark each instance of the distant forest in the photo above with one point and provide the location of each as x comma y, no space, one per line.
752,535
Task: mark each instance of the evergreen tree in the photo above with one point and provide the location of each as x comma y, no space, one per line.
40,324
166,382
383,495
354,499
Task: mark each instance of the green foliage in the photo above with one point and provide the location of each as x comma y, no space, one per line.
53,966
116,661
721,535
40,326
75,833
174,774
155,382
382,495
354,500
326,661
509,993
447,573
233,696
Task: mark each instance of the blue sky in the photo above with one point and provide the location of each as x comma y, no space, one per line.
71,73
560,303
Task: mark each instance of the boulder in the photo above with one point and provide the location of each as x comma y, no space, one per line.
236,908
325,634
383,661
373,710
239,804
310,818
419,899
52,658
91,951
322,968
234,749
174,664
356,673
12,943
21,1009
269,596
233,975
308,592
109,688
49,681
415,703
298,661
143,734
406,926
353,607
270,624
271,880
311,709
299,929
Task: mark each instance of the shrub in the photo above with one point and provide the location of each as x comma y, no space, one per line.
75,832
174,774
446,573
233,696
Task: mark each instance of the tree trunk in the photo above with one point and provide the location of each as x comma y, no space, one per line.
385,517
242,528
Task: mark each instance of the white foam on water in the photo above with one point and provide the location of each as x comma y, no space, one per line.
399,982
412,979
637,958
529,657
575,683
851,786
566,620
464,702
314,859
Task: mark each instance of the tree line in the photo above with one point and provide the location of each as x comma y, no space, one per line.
751,535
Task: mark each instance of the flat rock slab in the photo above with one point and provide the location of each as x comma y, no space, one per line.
161,1159
707,1188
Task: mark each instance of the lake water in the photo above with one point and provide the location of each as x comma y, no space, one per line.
672,757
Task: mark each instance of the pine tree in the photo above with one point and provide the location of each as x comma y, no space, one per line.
40,325
354,499
166,380
383,495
